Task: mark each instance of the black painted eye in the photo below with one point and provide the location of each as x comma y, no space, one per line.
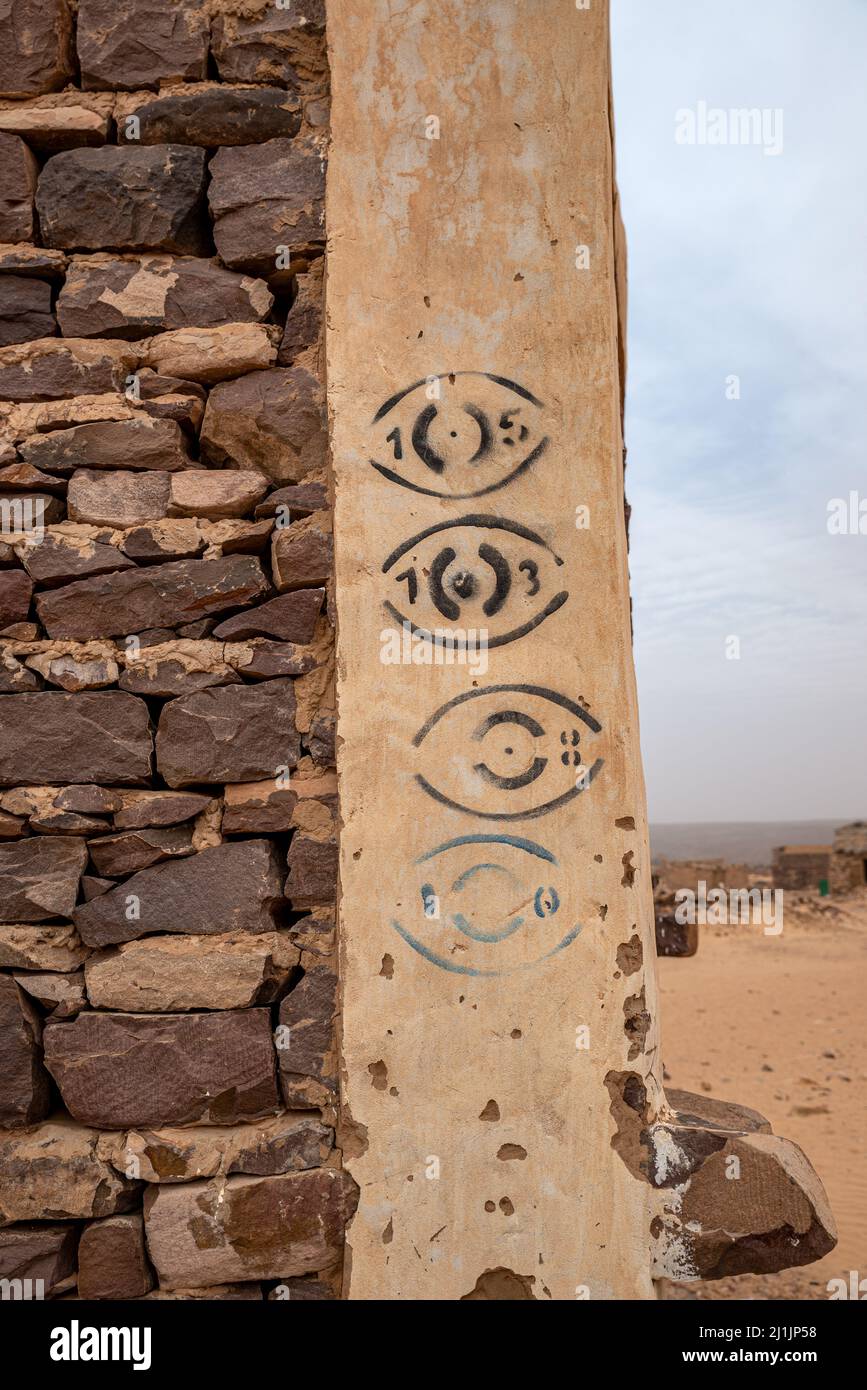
461,434
489,905
500,752
480,572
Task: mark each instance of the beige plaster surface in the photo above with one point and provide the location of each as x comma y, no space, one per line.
475,1121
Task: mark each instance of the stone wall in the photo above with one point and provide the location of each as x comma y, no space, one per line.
167,784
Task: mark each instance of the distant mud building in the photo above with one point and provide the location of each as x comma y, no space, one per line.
801,866
848,868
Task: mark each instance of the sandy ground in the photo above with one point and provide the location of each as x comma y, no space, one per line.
777,1023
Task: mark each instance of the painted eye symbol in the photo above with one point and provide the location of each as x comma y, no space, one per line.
460,434
508,752
482,907
482,572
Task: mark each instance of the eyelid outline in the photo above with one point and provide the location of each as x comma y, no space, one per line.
447,376
482,520
552,696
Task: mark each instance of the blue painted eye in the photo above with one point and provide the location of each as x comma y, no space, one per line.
546,902
459,434
483,887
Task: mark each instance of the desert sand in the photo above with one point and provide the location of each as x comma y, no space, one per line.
777,1023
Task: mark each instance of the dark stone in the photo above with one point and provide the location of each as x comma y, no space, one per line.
214,115
302,554
312,871
39,876
284,45
120,1070
307,1059
25,1091
25,309
141,45
146,198
145,809
231,733
133,298
272,420
205,1233
321,741
53,369
297,500
161,595
18,175
112,1262
289,618
117,499
56,560
270,660
35,46
115,855
232,887
16,589
304,320
264,197
41,1251
94,736
110,444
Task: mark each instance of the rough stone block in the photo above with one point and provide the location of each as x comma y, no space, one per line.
264,198
146,198
283,45
212,354
134,297
25,1091
62,556
35,46
116,1071
180,973
141,443
207,1233
159,596
18,174
305,1038
229,733
112,1262
289,618
273,421
210,114
59,121
304,320
39,876
228,888
98,736
41,1252
37,948
285,1144
312,871
59,1170
54,369
141,45
25,309
302,554
117,499
16,589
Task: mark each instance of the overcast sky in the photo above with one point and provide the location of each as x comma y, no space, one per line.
752,265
